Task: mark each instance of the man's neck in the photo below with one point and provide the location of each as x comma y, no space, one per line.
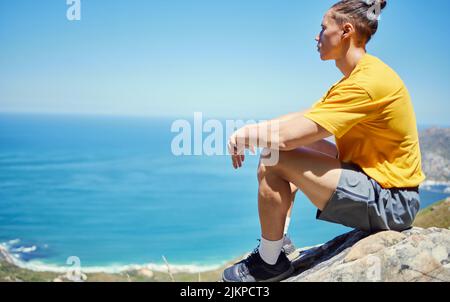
348,62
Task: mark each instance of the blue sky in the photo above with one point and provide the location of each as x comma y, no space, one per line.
227,58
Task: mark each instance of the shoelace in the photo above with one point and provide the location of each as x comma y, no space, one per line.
252,256
243,271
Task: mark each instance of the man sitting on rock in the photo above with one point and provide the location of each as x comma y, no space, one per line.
369,180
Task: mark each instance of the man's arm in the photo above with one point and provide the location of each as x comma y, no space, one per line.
285,133
297,131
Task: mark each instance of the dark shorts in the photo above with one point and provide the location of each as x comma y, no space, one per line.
360,202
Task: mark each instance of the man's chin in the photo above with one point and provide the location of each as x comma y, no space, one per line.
323,57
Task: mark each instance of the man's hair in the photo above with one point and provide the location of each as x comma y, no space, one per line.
363,14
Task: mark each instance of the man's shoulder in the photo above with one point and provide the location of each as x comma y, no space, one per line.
377,78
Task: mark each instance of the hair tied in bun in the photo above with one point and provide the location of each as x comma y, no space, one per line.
382,3
376,6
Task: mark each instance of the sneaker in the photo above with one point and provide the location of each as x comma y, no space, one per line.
254,269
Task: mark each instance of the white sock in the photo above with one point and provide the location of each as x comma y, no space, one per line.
286,225
270,250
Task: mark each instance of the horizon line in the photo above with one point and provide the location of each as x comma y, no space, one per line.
164,116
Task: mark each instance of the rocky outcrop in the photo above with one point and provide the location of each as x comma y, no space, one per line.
413,255
4,255
434,145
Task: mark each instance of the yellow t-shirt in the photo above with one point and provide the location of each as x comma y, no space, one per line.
371,115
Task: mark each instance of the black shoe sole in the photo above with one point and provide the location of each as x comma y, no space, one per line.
278,278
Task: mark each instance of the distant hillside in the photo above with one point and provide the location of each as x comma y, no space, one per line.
435,149
436,215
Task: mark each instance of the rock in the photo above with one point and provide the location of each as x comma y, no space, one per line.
434,144
4,255
373,244
146,272
413,255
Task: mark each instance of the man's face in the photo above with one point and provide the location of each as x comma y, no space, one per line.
329,41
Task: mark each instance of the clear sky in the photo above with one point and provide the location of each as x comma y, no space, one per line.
225,58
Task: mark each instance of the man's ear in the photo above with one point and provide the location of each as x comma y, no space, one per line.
348,30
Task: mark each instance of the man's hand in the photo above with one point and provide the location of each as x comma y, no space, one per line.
237,144
286,133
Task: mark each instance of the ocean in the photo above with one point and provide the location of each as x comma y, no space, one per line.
109,191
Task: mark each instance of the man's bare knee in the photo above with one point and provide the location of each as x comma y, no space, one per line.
264,170
277,168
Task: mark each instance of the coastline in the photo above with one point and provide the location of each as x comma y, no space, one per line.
435,183
12,268
429,185
39,266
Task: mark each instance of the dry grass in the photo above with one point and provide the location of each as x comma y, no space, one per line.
436,215
11,273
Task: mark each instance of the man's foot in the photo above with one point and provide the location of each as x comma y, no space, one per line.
254,269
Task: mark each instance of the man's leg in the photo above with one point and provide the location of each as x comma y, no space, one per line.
294,191
288,246
314,173
323,146
317,176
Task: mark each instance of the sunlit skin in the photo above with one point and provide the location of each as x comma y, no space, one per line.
307,161
339,43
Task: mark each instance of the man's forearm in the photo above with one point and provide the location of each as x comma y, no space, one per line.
286,133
